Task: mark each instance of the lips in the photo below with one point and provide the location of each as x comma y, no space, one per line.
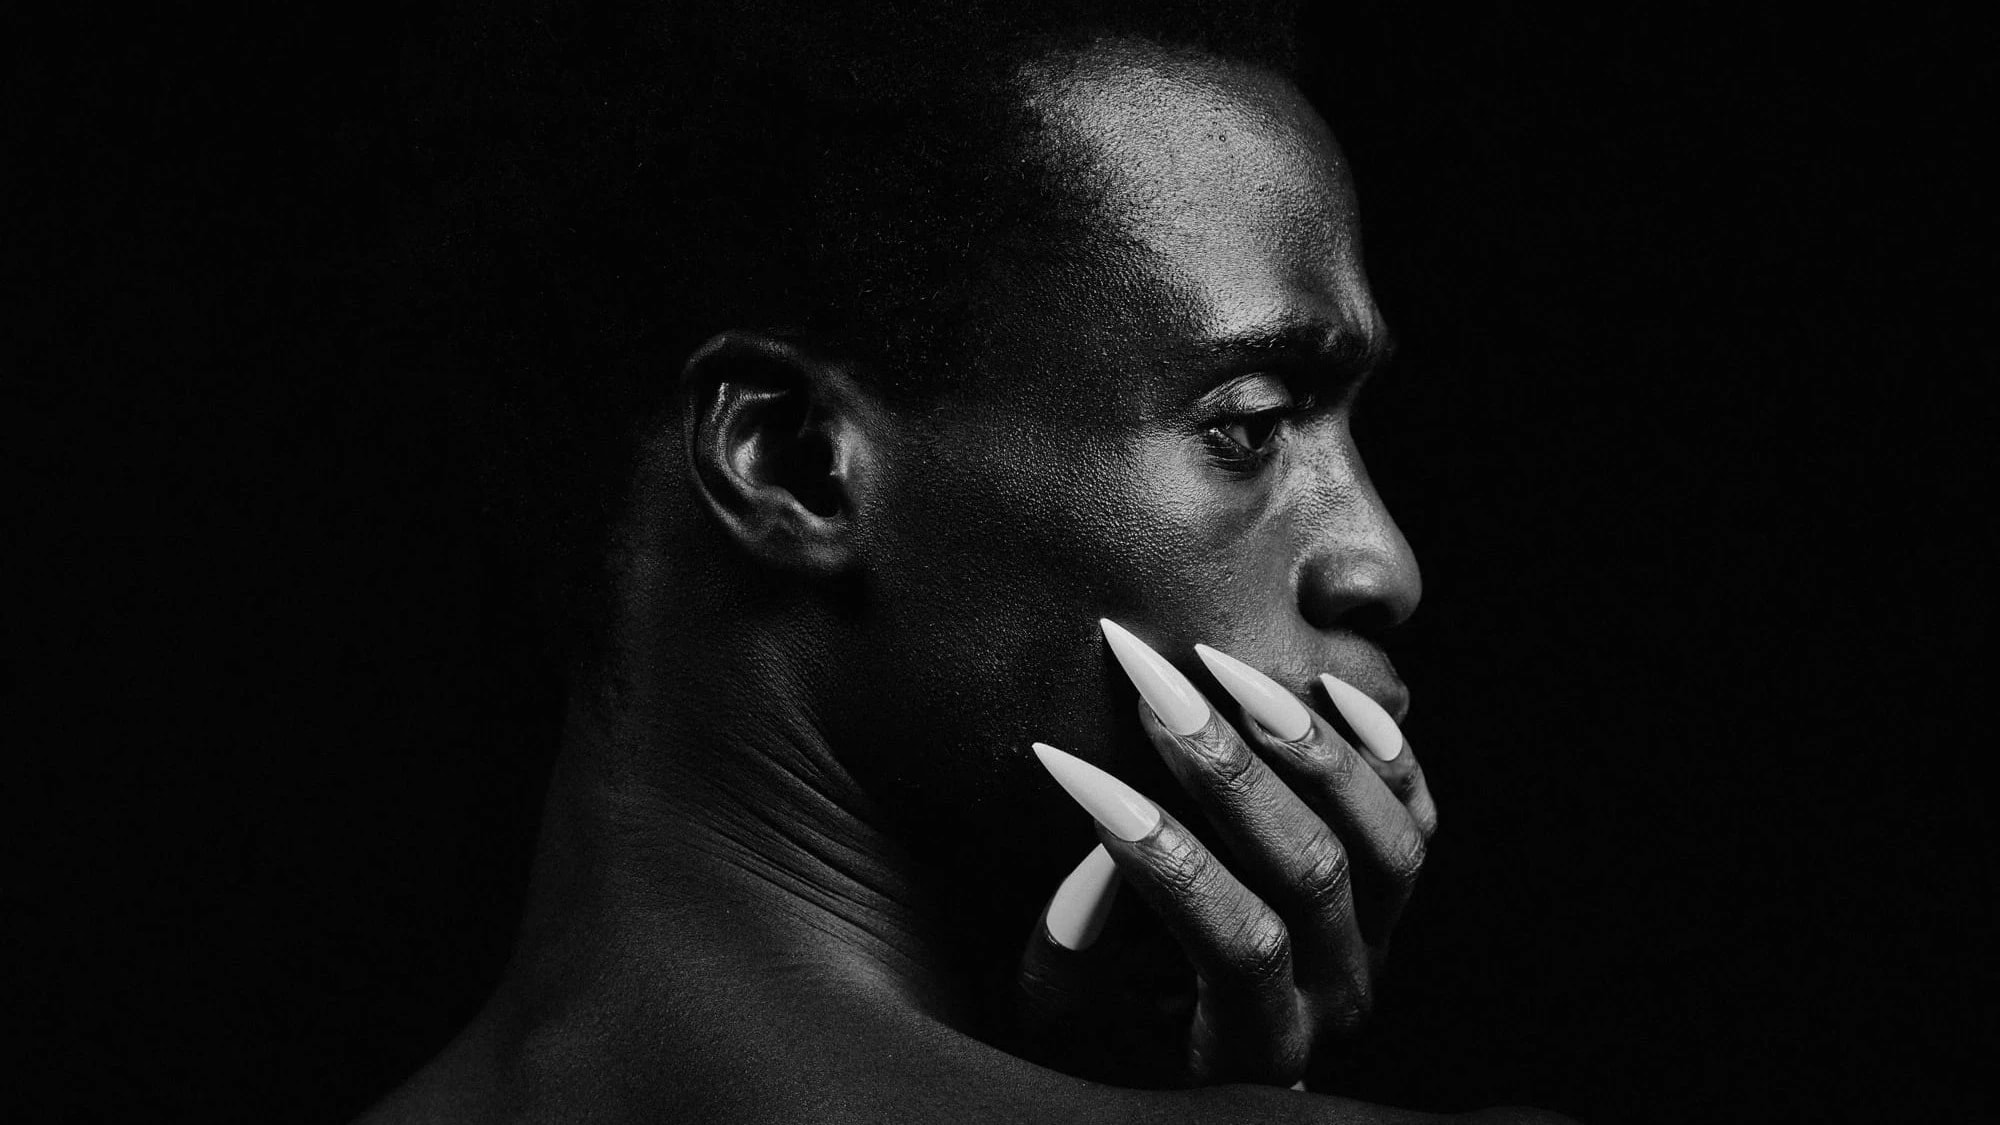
1377,679
1362,665
1395,700
1347,656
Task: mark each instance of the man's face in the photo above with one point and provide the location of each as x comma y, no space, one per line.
1160,437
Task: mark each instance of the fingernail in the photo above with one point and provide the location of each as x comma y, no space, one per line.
1083,902
1180,707
1274,708
1114,804
1378,731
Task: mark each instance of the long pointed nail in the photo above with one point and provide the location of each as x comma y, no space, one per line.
1111,802
1083,902
1274,708
1378,731
1180,707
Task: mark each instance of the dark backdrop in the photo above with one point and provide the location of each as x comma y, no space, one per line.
1685,430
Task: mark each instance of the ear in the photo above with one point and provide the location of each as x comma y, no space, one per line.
777,445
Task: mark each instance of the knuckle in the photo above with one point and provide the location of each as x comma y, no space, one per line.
1335,764
1350,1008
1407,852
1427,817
1228,763
1289,1059
1417,797
1182,867
1324,872
1269,1048
1264,953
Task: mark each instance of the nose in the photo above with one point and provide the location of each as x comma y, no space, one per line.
1359,573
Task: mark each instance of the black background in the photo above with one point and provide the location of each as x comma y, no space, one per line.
1687,430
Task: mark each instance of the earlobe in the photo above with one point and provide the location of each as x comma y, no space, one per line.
770,428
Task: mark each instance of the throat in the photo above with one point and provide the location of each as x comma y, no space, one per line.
770,872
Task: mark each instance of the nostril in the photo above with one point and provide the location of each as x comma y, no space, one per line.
1375,617
1365,600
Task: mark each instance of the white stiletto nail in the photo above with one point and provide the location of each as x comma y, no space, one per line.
1274,708
1180,707
1111,802
1378,731
1083,902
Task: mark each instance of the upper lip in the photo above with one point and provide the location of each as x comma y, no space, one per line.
1396,702
1395,699
1367,668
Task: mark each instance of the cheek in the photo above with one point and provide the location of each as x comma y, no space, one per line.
990,565
1193,546
1066,526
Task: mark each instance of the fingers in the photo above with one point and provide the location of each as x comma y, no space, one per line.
1389,753
1283,848
1099,997
1386,835
1348,787
1327,833
1293,858
1057,976
1249,1023
1286,851
1077,913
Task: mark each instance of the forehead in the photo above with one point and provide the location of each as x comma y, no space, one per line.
1221,176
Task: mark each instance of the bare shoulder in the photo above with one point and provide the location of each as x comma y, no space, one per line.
897,1092
866,1066
1513,1115
950,1076
1266,1104
470,1082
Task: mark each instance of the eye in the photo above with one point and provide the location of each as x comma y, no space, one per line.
1252,433
1249,428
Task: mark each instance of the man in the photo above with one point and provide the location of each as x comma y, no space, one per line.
995,360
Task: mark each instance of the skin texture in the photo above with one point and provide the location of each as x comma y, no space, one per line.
796,839
1082,449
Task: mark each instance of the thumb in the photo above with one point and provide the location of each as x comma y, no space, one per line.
1056,970
1077,912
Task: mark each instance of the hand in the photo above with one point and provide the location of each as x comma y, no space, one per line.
1325,843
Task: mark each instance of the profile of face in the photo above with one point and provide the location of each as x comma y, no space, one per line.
1160,436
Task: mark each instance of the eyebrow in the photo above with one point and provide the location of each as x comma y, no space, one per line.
1330,348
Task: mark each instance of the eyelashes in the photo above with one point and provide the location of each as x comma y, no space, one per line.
1244,441
1253,433
1250,418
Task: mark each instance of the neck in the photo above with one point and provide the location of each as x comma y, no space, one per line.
710,825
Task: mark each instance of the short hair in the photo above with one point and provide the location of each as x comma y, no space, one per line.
616,182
